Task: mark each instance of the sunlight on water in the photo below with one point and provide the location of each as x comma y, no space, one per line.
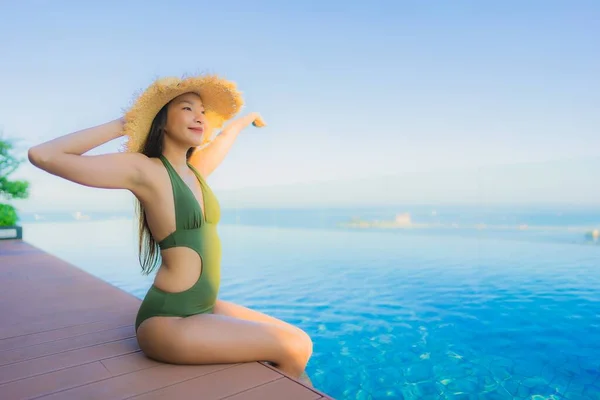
398,316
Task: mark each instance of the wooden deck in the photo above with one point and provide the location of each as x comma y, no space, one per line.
65,334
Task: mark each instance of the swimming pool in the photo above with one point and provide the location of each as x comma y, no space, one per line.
399,315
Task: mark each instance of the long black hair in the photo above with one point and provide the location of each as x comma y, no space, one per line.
148,250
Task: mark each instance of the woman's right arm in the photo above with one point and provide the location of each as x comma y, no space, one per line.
64,157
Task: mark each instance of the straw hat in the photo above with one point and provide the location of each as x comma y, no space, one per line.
220,98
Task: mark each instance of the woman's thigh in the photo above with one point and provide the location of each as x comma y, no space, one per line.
230,309
214,338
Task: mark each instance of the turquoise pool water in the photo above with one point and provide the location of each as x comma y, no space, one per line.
399,314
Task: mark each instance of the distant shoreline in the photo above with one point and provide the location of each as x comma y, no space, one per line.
516,207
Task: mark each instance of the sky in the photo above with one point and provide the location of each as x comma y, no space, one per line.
351,92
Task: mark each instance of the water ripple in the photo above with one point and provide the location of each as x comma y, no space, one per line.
410,317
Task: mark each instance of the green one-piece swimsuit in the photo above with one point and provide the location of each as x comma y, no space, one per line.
197,231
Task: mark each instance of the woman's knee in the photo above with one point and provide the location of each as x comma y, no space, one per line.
307,345
299,348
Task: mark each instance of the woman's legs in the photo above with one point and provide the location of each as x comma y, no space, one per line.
237,311
216,339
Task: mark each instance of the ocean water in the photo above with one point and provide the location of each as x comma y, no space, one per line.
491,313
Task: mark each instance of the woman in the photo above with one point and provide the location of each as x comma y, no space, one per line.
168,156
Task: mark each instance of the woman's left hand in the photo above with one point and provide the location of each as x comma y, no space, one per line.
257,120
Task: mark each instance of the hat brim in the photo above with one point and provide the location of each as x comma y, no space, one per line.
221,100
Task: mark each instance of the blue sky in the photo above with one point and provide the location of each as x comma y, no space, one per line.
350,91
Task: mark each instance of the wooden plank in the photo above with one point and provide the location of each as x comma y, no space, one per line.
218,385
62,345
63,320
102,302
55,362
128,363
53,382
50,293
279,389
128,385
72,377
63,333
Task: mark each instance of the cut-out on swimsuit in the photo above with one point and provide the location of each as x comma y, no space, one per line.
198,231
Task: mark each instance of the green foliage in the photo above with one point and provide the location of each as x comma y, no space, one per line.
8,215
10,189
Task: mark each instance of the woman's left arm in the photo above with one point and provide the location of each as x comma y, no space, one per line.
206,160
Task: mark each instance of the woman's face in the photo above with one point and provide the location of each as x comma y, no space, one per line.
186,121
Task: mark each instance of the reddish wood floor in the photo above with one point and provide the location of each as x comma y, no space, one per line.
65,334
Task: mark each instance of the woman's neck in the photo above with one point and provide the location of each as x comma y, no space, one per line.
177,158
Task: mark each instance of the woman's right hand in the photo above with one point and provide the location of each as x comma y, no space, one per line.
63,157
121,124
